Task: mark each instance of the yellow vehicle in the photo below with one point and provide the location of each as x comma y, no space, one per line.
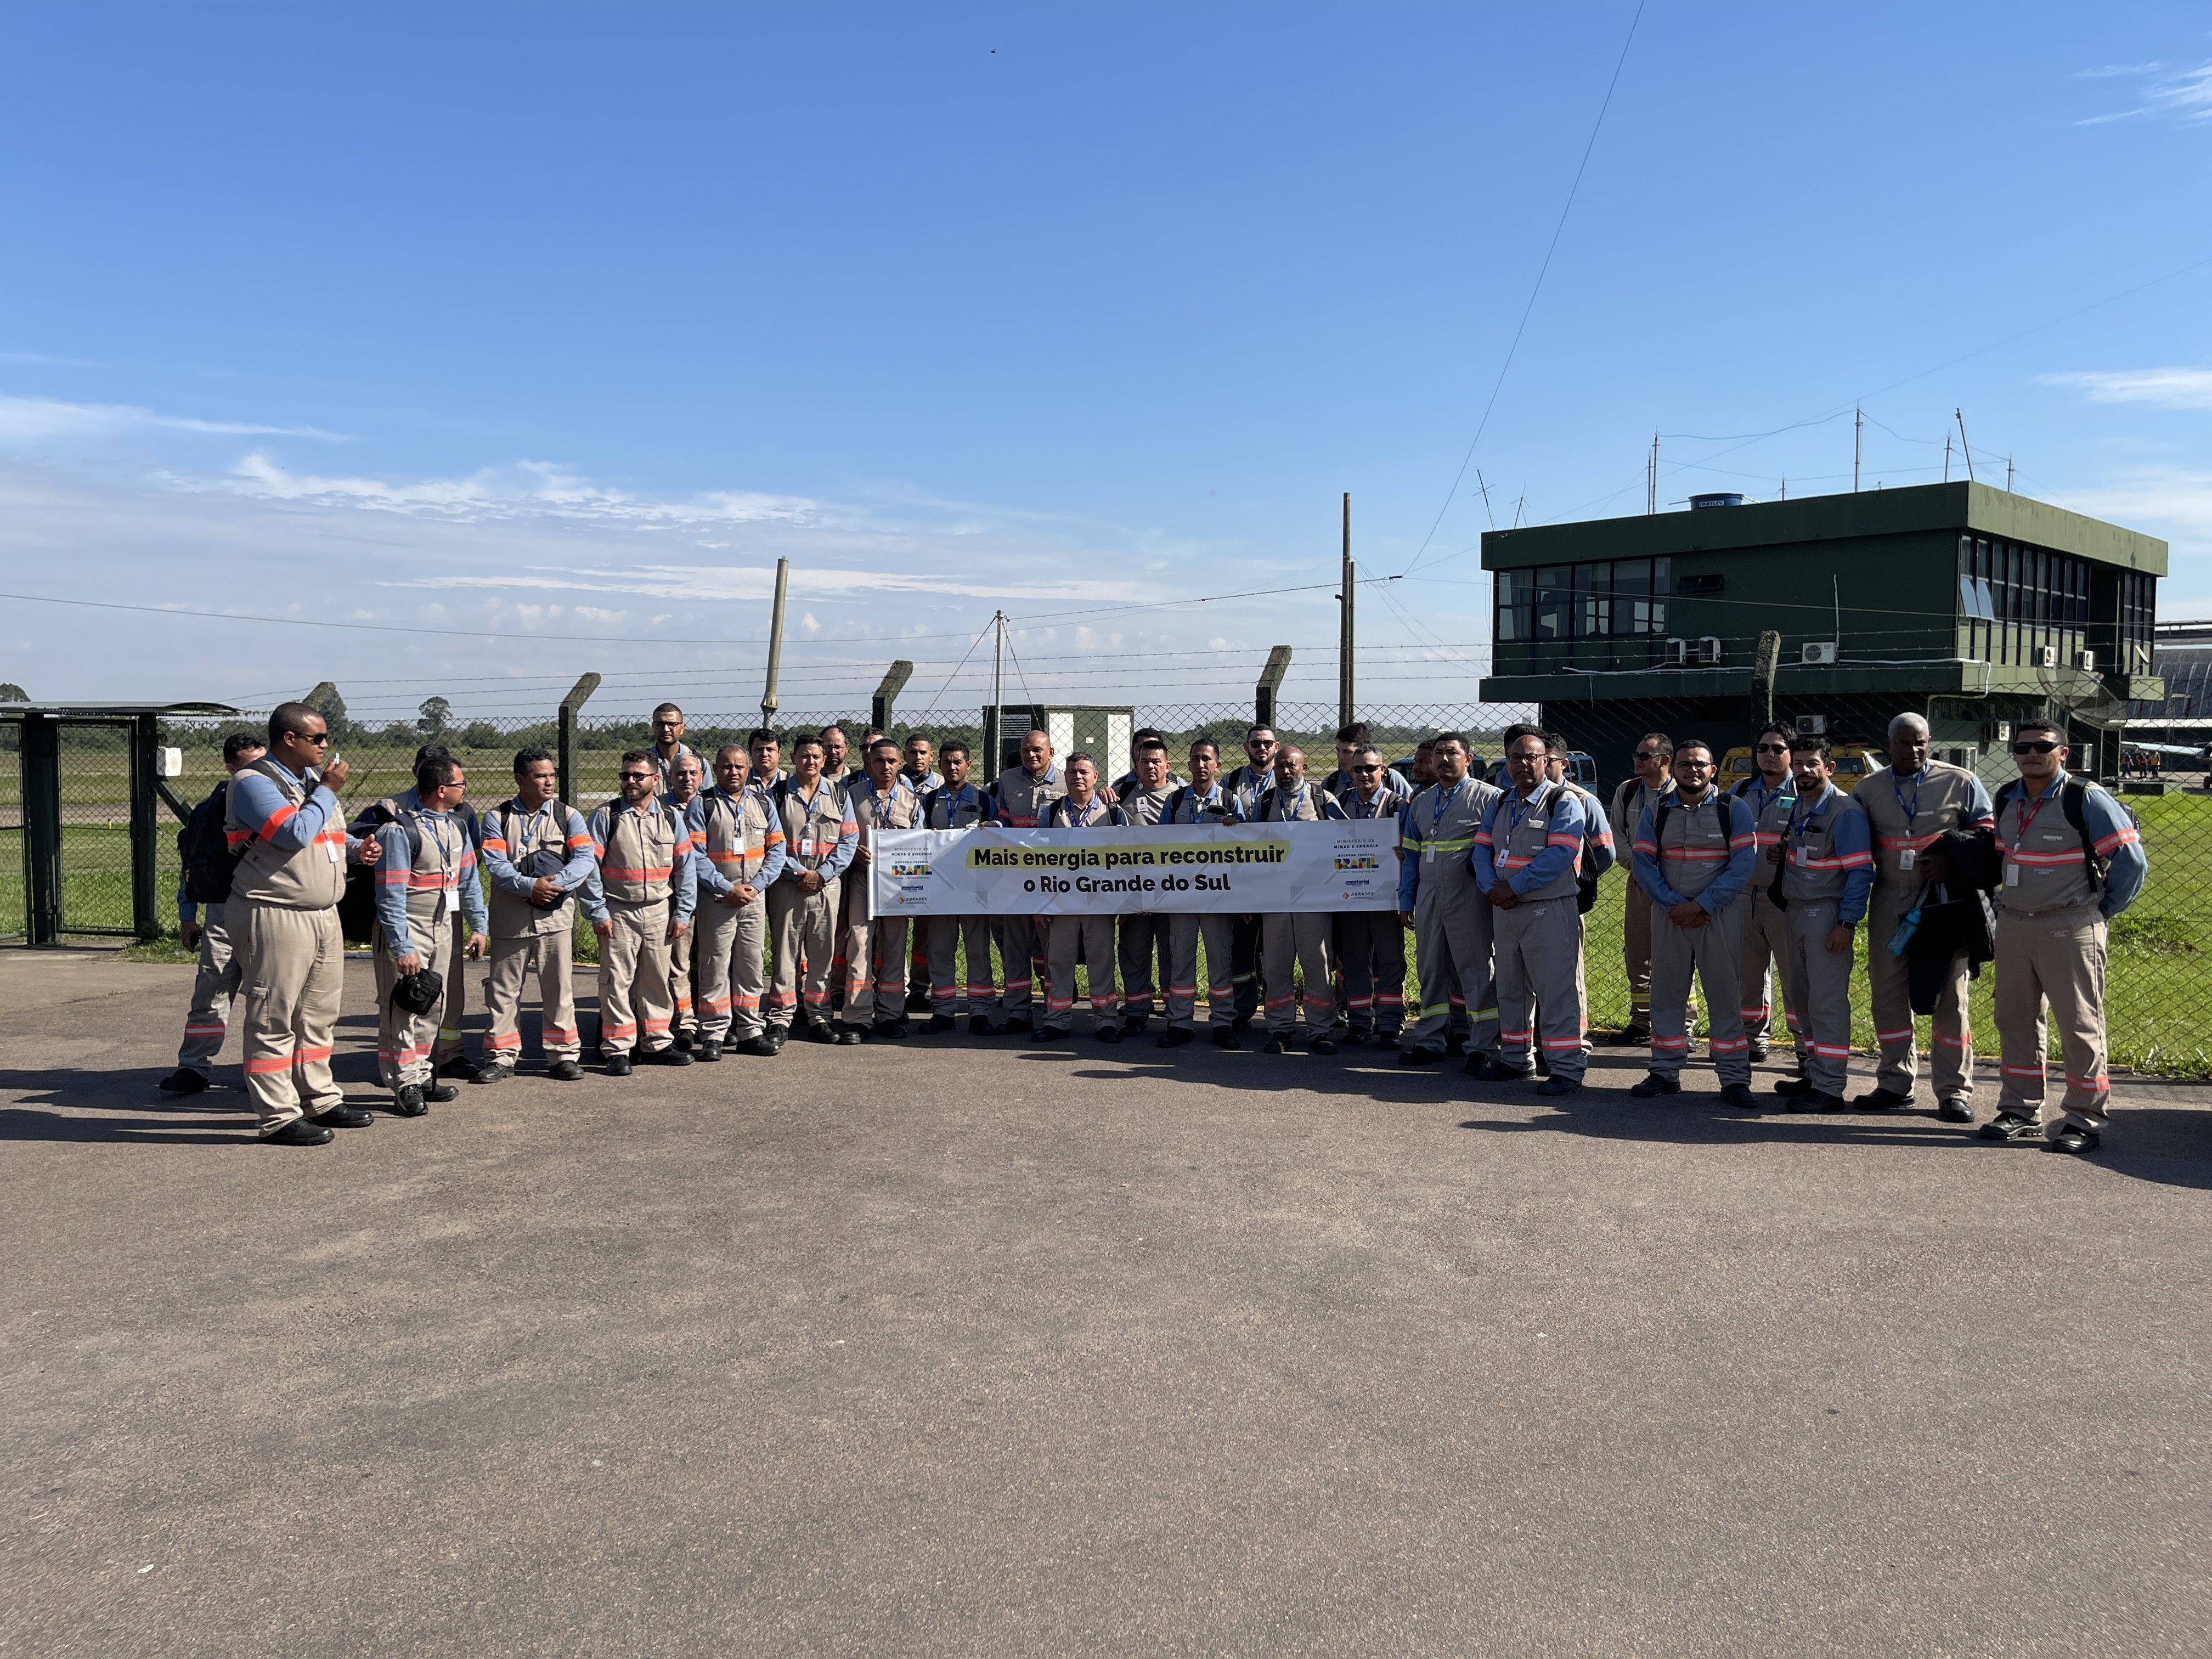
1853,762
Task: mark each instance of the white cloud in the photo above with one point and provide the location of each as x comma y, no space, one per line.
2169,498
808,623
2186,96
2168,388
30,420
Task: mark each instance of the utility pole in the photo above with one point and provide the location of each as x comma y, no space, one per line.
775,641
1960,416
1858,431
1946,457
993,717
2007,475
1346,641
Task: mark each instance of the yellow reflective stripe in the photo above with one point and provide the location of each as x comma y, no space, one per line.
1414,843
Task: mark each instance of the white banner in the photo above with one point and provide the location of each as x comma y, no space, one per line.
1248,868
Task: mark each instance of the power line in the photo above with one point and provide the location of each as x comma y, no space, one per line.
1567,207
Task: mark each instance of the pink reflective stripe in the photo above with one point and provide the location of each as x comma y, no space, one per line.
2098,1084
1959,1042
216,1030
2035,1071
2042,860
1566,1043
1728,1046
2123,836
512,1040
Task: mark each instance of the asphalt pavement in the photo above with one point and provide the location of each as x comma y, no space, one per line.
962,1346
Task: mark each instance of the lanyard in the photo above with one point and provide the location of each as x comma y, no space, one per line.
966,796
1079,817
882,805
2026,818
1798,826
436,831
1912,812
1292,816
1445,798
1521,807
1767,797
1213,798
1361,809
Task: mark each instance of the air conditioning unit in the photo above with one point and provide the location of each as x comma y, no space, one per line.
2005,731
1812,726
1678,653
1709,649
2085,661
2047,656
1817,651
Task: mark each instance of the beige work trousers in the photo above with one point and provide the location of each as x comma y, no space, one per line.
1766,946
728,952
214,984
1818,982
554,957
453,1007
1374,963
1539,961
1297,938
635,1008
2057,960
1951,1061
947,937
1218,929
405,1042
1712,957
681,979
1062,936
805,929
291,978
1018,938
875,958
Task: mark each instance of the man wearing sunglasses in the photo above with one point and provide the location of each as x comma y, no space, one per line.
282,810
1246,784
2072,862
1912,806
1653,778
1770,794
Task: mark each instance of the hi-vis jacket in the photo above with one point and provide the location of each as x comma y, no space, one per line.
295,849
1703,851
1908,814
2046,869
1827,854
819,832
645,856
1017,800
899,809
1311,804
508,840
1533,845
419,884
738,840
1436,834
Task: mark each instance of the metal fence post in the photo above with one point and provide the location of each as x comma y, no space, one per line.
565,764
145,829
42,828
1271,681
879,710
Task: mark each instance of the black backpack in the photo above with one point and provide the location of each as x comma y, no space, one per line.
204,849
2070,796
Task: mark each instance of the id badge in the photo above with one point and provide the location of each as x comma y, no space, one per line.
1799,857
1428,855
806,847
2012,875
336,849
1905,859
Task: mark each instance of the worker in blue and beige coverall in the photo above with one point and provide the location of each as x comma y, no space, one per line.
1453,932
1526,856
427,875
1694,852
875,947
203,931
537,855
1297,939
281,820
1911,804
641,908
2053,905
819,838
1821,863
737,842
957,803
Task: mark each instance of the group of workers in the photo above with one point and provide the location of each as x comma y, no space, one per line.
732,914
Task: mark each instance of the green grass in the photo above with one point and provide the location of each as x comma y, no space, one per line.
2159,973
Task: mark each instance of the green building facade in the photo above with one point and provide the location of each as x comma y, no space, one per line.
1969,605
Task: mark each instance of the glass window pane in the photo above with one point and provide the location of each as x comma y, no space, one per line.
1589,600
1554,596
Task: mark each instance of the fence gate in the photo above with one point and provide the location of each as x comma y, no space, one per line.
84,812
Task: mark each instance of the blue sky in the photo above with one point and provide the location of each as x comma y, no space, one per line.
551,321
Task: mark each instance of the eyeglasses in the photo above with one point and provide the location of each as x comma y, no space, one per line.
1695,765
1772,748
2033,748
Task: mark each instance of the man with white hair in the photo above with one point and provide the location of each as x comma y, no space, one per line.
1911,804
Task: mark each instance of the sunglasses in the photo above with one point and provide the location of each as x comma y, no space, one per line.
636,777
2033,748
1772,748
318,739
1654,754
1367,769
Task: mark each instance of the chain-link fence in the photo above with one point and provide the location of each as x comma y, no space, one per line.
2159,969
